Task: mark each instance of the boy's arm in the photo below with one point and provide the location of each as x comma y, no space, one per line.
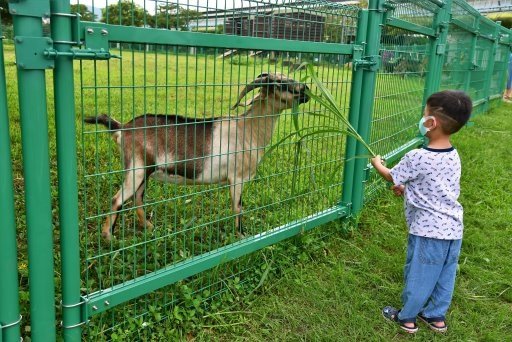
381,169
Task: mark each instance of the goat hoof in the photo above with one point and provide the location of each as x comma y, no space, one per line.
149,225
107,236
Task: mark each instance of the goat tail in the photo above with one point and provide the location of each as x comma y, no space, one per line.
104,120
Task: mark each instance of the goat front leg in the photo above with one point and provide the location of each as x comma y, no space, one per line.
132,181
236,203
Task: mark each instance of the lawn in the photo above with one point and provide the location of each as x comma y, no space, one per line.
337,295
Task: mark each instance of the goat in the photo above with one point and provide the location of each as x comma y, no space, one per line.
222,150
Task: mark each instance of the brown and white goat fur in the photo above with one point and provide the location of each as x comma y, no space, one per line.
181,150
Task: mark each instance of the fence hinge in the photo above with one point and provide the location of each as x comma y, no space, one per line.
474,66
10,325
442,26
384,6
504,38
440,49
345,209
371,63
83,313
75,28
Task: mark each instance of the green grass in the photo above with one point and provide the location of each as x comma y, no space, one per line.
337,295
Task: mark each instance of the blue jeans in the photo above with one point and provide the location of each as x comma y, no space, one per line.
429,276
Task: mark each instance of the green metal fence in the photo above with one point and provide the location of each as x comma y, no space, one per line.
176,246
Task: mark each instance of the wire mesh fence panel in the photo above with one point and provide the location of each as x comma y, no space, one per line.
202,99
416,12
198,118
399,93
482,59
458,63
500,70
463,13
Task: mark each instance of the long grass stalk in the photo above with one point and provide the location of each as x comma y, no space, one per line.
327,100
341,124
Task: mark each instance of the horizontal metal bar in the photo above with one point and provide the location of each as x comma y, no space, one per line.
398,153
464,26
108,298
438,3
399,23
141,35
495,96
479,102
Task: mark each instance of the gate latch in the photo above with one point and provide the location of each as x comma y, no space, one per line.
95,46
368,63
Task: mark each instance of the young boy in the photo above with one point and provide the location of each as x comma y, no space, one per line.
429,177
507,96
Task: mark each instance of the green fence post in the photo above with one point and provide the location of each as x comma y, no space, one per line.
374,31
490,66
67,171
437,49
9,299
474,40
355,105
29,42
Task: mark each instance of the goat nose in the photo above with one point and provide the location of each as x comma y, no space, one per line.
303,98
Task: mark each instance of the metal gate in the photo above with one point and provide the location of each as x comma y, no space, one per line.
176,232
195,92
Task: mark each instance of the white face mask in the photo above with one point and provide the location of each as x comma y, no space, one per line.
423,130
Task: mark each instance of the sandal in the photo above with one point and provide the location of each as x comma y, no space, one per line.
431,323
391,314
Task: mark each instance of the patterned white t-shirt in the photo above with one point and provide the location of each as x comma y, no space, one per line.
432,186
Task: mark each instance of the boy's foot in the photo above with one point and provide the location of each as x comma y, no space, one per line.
434,323
391,314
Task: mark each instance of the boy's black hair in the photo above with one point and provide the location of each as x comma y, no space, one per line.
452,107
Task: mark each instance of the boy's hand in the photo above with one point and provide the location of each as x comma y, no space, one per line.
377,161
380,167
398,189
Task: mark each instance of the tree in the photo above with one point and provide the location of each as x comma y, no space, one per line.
4,12
125,13
175,17
84,12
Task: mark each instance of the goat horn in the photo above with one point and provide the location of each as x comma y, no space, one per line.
258,82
